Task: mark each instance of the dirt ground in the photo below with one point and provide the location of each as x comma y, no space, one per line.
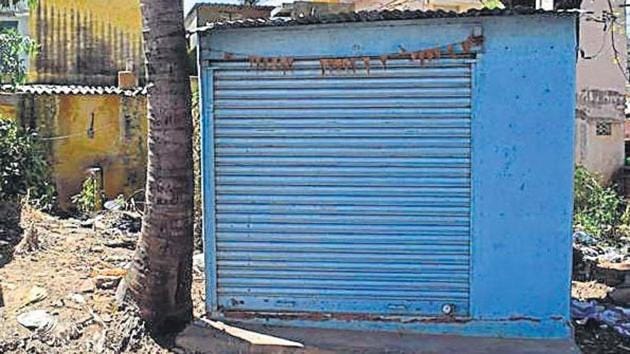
71,273
68,268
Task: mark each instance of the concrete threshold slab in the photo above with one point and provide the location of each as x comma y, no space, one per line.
255,338
205,336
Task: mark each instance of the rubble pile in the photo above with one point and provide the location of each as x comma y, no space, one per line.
618,318
594,261
600,307
124,221
591,249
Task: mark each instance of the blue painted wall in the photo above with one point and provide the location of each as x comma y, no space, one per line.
522,148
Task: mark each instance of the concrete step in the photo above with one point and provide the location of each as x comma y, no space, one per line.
205,336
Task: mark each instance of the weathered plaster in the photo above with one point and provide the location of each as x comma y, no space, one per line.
601,89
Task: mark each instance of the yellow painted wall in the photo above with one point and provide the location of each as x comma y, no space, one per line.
120,155
124,14
85,41
117,146
8,106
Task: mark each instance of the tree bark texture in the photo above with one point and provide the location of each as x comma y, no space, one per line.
160,278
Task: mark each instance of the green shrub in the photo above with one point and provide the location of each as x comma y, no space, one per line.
598,209
90,199
14,51
23,166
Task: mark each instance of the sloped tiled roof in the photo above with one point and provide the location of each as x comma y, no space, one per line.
42,89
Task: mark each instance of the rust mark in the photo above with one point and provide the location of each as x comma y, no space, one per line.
383,59
466,46
347,64
346,317
366,62
349,317
271,63
524,318
287,64
451,51
323,64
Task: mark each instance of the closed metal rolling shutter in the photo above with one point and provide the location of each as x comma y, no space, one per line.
343,193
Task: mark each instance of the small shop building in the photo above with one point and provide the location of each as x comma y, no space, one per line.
396,171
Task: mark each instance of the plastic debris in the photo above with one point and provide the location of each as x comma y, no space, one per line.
77,298
199,263
617,318
113,205
584,238
39,320
593,249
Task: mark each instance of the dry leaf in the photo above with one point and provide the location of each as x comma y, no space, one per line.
113,272
422,56
36,294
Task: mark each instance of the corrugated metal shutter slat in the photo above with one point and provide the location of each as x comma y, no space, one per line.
343,192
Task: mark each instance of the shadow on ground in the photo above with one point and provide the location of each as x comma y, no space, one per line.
10,230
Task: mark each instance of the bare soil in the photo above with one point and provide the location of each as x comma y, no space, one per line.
67,264
590,290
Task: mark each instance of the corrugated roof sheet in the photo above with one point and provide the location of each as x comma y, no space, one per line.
374,16
226,6
41,89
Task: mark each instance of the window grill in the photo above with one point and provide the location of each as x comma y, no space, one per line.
603,129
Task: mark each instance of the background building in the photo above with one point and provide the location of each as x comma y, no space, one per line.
601,88
82,94
203,13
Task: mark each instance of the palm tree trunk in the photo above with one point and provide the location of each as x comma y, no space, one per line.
160,278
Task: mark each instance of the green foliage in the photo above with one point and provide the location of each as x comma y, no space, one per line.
598,209
14,49
23,166
121,202
91,197
492,4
